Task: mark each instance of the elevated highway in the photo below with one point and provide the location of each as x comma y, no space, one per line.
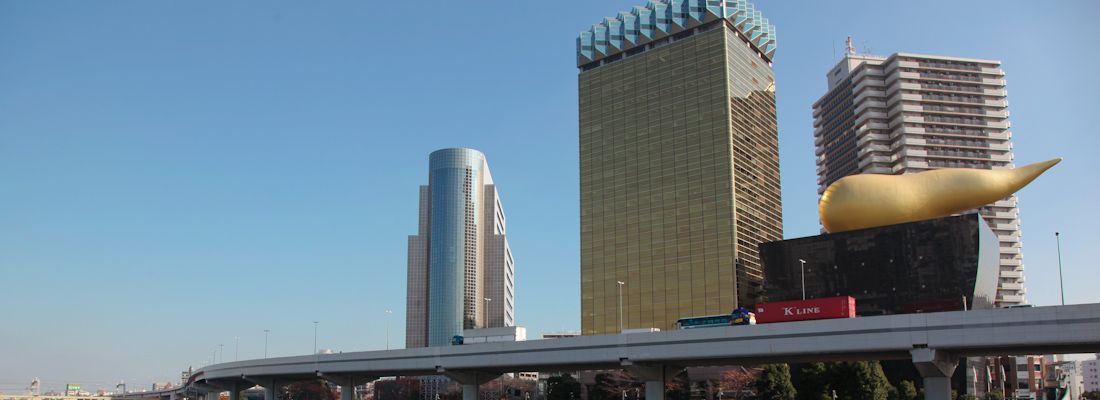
933,341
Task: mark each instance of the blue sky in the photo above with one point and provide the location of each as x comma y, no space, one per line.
177,174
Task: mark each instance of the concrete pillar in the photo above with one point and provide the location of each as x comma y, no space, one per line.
654,377
268,384
936,368
469,391
655,390
234,393
212,395
470,381
347,384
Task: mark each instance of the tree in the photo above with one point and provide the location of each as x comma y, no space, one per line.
859,380
610,385
775,383
1093,395
309,390
907,391
401,388
968,397
734,382
996,395
679,387
563,387
813,382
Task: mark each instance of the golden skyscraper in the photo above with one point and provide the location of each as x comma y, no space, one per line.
679,163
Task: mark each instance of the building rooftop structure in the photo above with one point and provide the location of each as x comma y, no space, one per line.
652,25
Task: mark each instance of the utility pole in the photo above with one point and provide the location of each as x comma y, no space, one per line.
266,331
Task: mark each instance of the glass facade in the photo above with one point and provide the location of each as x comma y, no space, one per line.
459,259
921,266
679,179
454,182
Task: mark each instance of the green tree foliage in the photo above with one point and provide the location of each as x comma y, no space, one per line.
859,380
775,383
907,391
996,395
813,382
968,397
563,387
1093,395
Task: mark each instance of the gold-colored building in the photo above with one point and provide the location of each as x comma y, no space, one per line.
679,163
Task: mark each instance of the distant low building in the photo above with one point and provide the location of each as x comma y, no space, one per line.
1090,373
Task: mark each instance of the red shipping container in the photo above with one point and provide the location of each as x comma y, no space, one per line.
805,310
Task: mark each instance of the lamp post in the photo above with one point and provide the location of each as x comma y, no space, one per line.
803,278
266,331
221,351
1061,288
486,312
388,313
237,348
315,336
621,283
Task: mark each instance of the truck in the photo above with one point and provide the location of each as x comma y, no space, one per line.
779,311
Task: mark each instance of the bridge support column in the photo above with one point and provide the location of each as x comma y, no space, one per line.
268,384
654,377
470,381
235,391
347,384
213,395
936,368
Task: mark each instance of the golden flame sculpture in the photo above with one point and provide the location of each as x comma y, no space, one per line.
870,200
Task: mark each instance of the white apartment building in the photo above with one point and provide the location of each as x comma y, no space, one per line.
1090,373
909,113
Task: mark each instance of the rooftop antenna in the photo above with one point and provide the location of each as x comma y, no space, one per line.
851,49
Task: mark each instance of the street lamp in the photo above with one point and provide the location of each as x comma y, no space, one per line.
221,351
1061,288
487,300
266,331
315,336
621,283
237,348
388,313
803,278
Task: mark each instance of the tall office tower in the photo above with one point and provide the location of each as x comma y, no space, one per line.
909,113
679,164
461,272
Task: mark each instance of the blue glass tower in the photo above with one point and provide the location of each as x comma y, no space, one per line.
460,259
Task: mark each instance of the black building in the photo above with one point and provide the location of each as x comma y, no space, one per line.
920,266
